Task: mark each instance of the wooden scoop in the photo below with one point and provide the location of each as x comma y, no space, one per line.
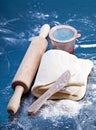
60,83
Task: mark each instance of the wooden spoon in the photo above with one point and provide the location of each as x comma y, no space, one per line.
60,84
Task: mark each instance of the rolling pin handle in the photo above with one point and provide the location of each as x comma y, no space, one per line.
44,31
14,102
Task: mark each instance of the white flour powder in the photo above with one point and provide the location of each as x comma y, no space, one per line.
60,108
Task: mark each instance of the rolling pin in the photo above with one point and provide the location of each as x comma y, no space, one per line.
26,72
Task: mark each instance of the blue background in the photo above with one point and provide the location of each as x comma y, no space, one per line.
20,20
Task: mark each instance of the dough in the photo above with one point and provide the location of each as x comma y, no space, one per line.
53,64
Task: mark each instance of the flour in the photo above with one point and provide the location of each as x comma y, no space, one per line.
60,108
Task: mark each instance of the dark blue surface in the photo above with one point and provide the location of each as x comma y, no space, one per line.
19,21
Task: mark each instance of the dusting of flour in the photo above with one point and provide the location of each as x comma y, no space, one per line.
60,108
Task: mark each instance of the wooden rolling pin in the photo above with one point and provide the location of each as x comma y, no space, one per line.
28,67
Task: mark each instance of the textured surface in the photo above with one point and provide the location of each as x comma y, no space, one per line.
21,20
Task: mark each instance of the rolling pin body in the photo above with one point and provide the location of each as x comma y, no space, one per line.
27,70
30,63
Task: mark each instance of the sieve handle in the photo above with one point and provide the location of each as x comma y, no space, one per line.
78,35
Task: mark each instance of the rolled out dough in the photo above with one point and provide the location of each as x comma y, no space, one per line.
53,64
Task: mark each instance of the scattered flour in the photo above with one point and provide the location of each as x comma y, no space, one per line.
60,108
